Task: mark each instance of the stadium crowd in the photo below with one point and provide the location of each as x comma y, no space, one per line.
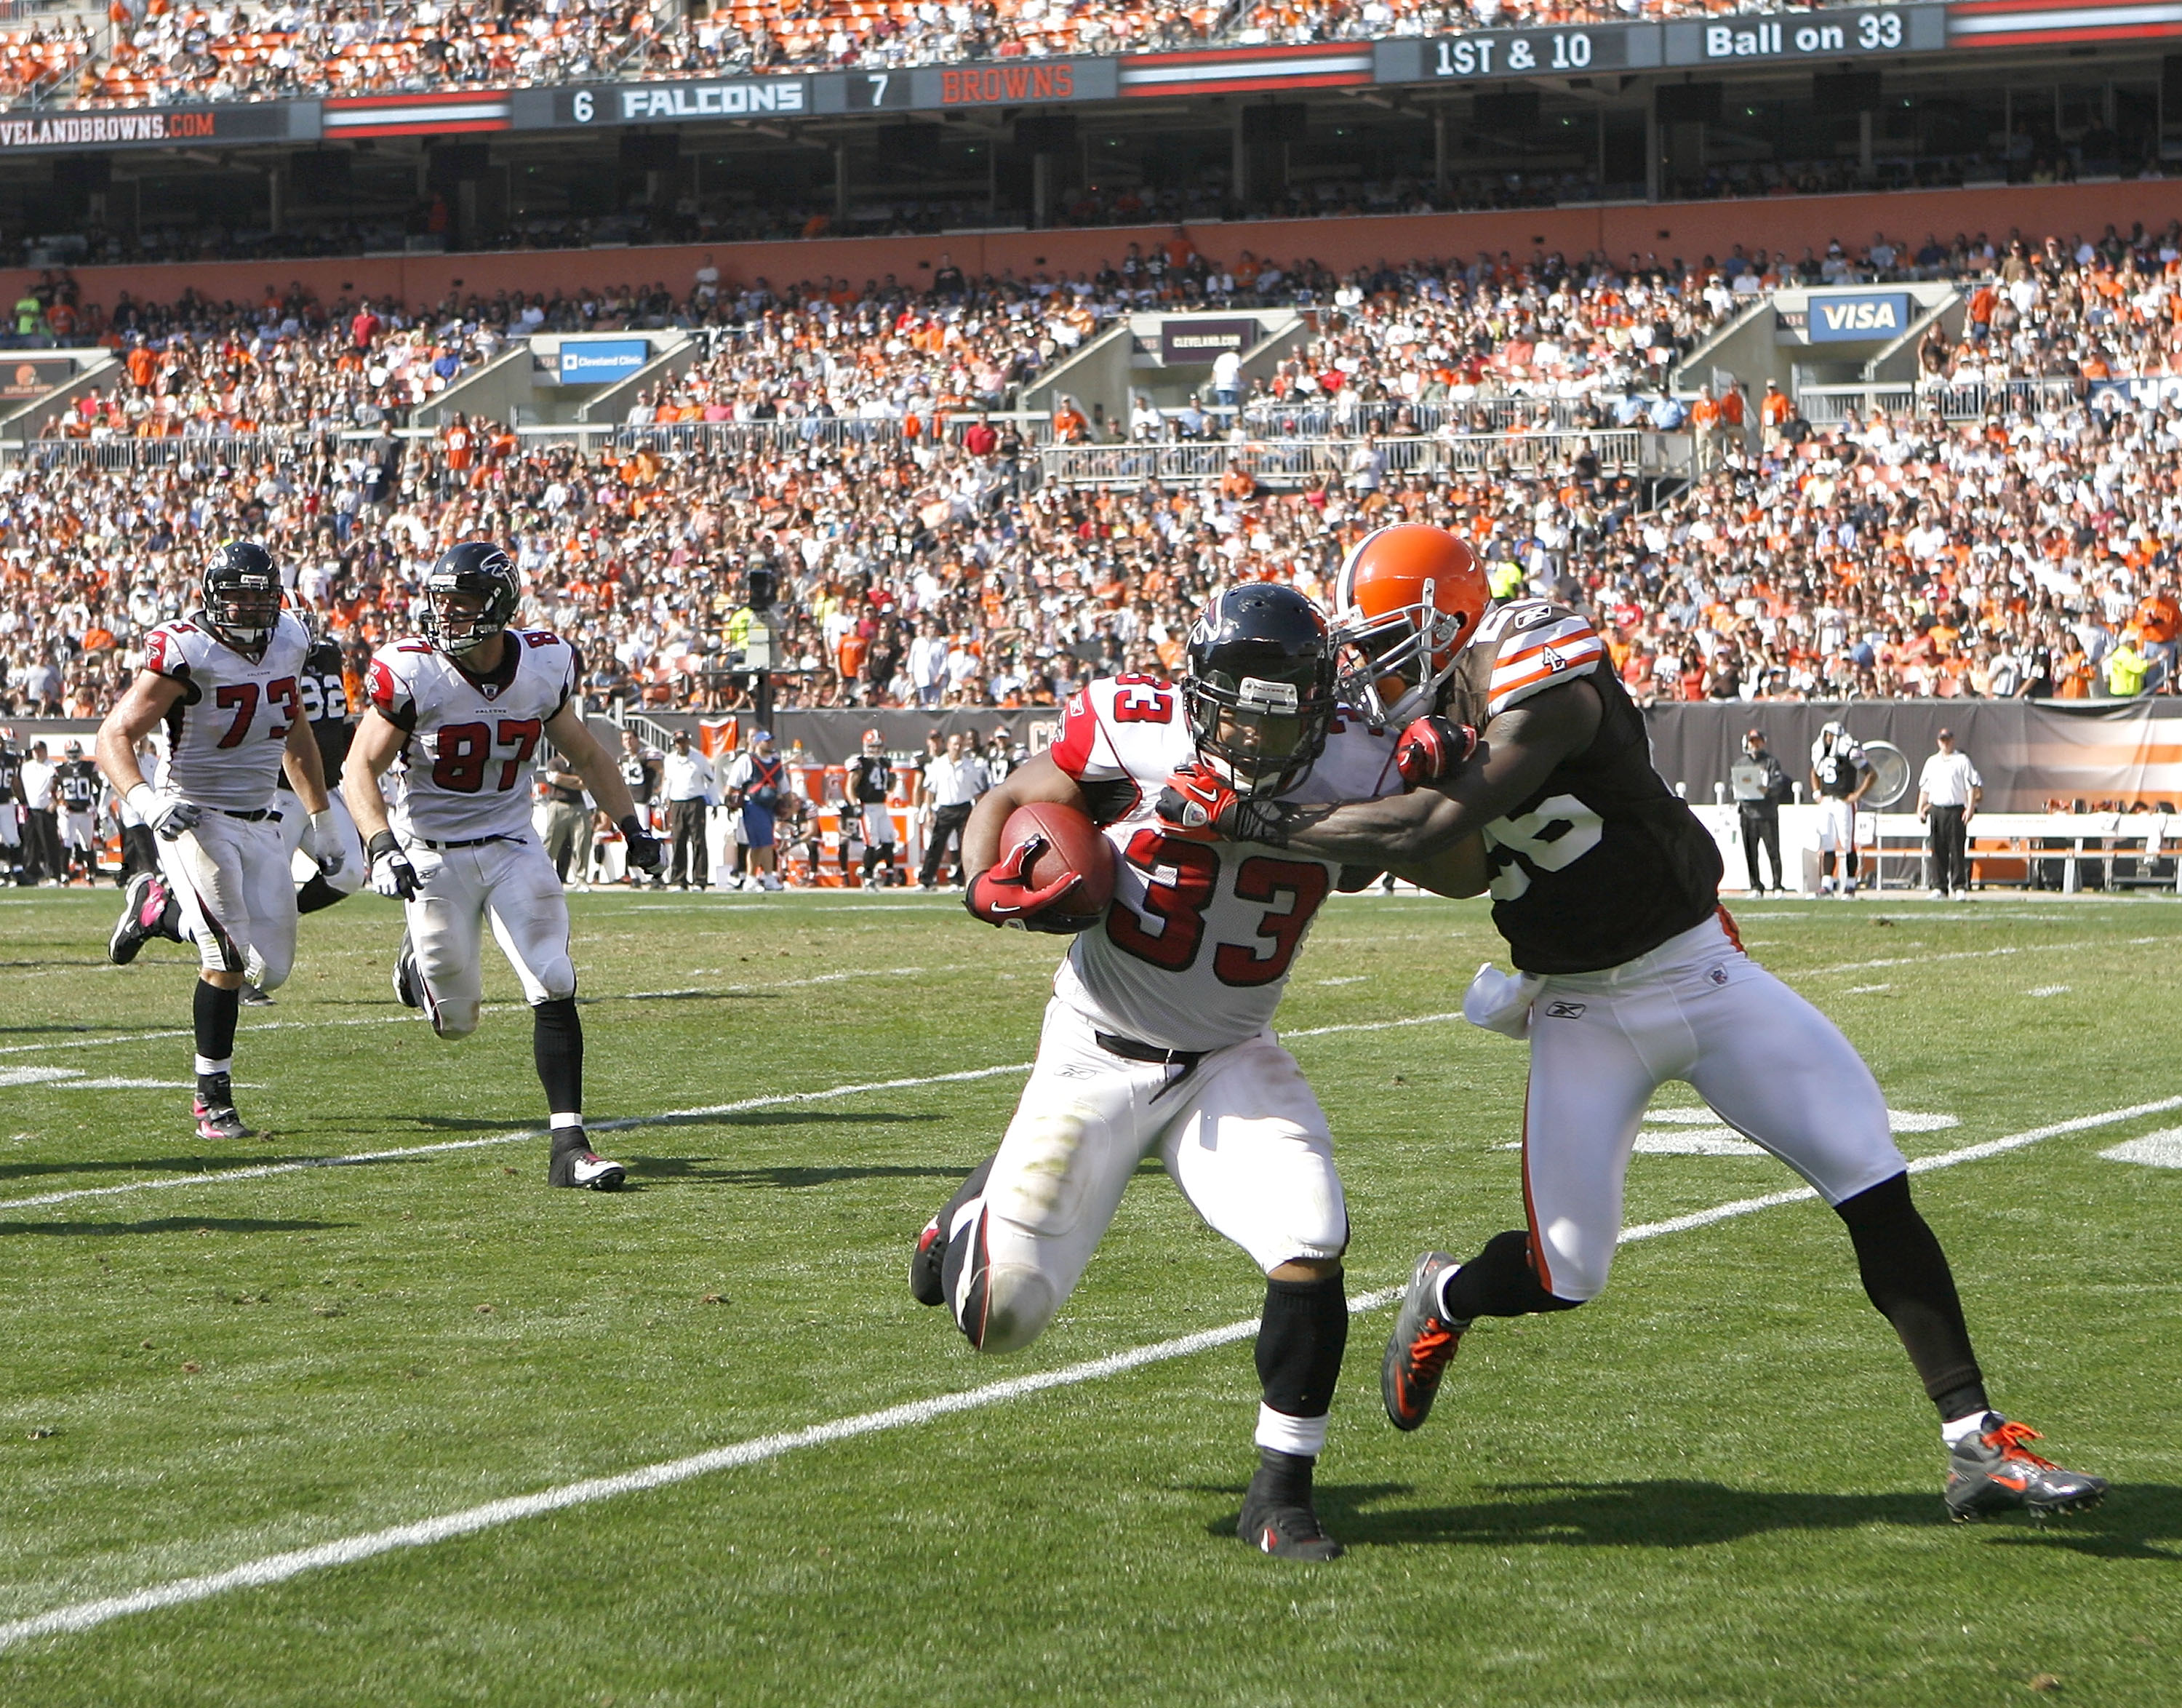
860,445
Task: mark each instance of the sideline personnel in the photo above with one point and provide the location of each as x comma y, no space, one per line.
1947,793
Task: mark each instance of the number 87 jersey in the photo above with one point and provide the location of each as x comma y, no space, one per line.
466,766
1196,949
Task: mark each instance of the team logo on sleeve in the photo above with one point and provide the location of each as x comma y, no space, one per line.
383,691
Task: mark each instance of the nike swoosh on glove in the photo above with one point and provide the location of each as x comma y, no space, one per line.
644,852
1433,749
1199,807
1001,893
391,873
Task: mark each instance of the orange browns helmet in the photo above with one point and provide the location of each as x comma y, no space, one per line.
2159,618
1406,601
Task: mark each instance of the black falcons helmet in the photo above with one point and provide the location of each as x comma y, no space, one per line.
242,595
482,571
1260,687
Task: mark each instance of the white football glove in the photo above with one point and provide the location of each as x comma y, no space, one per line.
322,843
391,873
167,815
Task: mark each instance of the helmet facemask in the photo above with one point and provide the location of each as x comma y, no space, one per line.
1260,733
1392,667
244,609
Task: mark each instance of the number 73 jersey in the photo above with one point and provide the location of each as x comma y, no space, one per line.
228,733
466,766
1196,949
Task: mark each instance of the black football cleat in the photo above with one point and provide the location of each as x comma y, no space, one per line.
255,997
218,1122
1420,1348
143,906
926,1284
408,988
1278,1518
1992,1471
576,1165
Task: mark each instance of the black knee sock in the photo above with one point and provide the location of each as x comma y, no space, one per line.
317,893
1501,1281
1301,1337
1907,1278
556,1044
212,1013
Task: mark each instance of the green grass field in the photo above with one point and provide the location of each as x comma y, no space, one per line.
1719,1484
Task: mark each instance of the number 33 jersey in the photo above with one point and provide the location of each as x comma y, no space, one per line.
228,733
1196,949
466,766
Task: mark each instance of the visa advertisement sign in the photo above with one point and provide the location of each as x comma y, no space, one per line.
1863,318
601,361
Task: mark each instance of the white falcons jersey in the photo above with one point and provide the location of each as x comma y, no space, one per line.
1196,949
228,733
465,767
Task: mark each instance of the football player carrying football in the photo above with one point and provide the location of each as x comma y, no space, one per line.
1606,887
1157,1039
224,681
465,707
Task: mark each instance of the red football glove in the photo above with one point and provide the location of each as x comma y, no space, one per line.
1001,893
1197,806
1431,750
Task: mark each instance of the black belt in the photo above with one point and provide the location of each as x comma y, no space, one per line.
1131,1050
467,842
253,817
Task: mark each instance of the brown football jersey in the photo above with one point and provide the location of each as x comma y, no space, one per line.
1604,863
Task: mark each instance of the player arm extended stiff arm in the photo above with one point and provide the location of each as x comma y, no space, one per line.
1036,779
1422,835
139,712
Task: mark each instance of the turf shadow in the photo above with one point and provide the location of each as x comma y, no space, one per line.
785,1177
171,1224
2138,1521
211,1170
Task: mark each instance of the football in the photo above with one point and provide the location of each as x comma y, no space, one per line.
1072,844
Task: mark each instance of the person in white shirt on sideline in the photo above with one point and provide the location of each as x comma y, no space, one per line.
757,779
1947,794
691,786
951,786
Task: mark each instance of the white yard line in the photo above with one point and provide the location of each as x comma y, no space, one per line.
406,1016
279,1568
1930,960
265,1171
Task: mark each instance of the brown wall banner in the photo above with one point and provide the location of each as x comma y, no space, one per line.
2029,753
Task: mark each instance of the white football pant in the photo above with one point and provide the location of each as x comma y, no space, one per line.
78,831
511,882
229,877
295,821
1699,1010
1837,824
1241,1133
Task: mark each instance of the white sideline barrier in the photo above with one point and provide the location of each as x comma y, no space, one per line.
1894,846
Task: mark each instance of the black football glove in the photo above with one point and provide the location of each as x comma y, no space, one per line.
644,853
1199,807
391,873
1433,749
